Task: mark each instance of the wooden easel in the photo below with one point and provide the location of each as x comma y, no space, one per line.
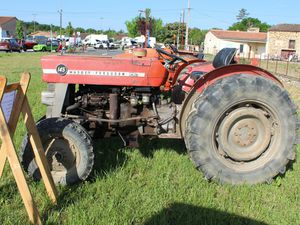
8,150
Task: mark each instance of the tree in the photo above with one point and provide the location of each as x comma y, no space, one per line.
90,31
170,32
80,29
19,29
246,23
243,14
69,30
136,26
197,36
132,27
110,33
157,29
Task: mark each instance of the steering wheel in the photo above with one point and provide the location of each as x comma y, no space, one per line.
173,56
173,48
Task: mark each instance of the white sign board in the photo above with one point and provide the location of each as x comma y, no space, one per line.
7,104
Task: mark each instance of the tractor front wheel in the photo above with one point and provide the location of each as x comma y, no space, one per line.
242,129
68,149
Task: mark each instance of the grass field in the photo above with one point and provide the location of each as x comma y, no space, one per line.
155,184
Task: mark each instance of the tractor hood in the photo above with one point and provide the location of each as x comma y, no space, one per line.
115,71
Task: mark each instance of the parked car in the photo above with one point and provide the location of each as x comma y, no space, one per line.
104,44
28,44
46,46
9,45
100,45
113,45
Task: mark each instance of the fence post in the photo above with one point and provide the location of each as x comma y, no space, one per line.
276,65
287,67
267,62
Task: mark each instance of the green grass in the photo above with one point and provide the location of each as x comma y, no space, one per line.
291,69
155,184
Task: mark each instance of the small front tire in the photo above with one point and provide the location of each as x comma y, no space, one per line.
68,148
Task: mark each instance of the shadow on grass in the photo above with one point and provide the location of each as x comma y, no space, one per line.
8,190
184,214
149,146
110,155
68,195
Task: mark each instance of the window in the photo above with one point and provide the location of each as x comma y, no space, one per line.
292,44
241,48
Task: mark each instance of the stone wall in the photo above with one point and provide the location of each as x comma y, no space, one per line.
278,41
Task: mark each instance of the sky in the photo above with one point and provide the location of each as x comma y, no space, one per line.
102,15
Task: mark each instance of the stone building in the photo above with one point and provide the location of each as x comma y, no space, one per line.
250,44
284,40
7,26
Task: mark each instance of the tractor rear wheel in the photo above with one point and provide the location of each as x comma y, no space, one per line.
242,129
68,149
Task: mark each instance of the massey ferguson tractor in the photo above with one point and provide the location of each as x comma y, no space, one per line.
238,123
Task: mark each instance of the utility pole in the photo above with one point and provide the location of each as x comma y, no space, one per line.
187,27
51,36
60,19
34,15
182,34
147,32
179,30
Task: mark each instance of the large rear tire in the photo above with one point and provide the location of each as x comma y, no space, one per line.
68,148
242,129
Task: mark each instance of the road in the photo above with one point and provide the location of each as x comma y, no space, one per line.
89,51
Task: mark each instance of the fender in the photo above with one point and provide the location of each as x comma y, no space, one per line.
195,89
183,66
173,75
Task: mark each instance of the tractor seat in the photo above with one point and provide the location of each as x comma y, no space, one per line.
195,75
224,57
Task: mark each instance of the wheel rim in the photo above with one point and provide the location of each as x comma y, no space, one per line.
244,135
62,158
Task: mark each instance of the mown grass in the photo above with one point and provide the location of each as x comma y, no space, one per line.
155,184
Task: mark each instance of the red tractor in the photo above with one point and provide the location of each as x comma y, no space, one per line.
237,121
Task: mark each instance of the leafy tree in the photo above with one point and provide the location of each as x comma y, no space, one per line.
132,27
69,30
110,33
243,14
170,31
19,29
90,31
197,36
121,32
246,23
136,26
157,29
80,29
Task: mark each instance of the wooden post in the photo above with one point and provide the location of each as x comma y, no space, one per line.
8,151
287,67
17,107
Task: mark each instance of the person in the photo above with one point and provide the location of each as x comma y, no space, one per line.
64,44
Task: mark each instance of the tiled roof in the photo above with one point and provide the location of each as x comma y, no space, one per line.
286,27
5,19
43,33
240,35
